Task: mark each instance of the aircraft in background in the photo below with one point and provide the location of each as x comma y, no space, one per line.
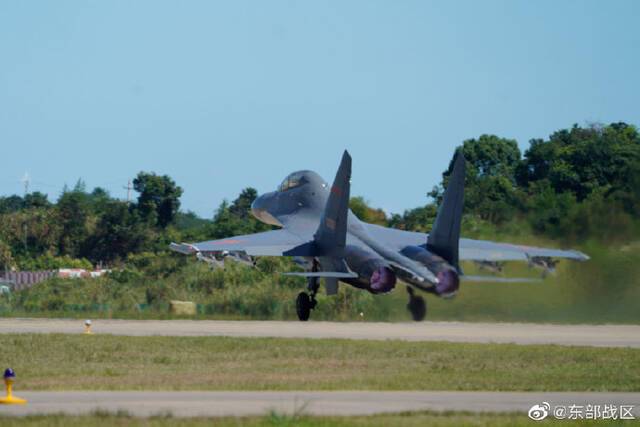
319,230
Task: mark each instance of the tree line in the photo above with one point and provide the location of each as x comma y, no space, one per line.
81,225
581,183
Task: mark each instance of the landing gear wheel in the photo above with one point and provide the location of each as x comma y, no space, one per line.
303,306
418,308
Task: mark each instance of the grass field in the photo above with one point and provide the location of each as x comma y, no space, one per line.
275,420
105,362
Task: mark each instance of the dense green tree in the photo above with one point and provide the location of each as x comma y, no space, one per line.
11,204
580,160
232,219
73,213
241,206
490,183
31,232
417,219
190,220
490,155
627,190
362,210
119,232
48,261
80,187
227,224
551,213
36,200
582,181
99,195
6,256
159,199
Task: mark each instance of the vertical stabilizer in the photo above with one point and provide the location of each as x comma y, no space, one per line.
332,232
445,235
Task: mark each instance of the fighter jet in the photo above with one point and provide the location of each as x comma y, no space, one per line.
317,228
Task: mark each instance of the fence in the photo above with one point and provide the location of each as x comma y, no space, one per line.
20,280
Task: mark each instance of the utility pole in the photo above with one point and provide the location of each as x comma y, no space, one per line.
25,228
26,181
128,188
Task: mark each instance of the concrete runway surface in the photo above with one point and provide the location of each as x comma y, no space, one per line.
240,403
518,333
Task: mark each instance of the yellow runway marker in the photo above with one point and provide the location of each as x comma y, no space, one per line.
10,399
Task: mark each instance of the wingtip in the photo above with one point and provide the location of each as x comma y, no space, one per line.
582,256
183,248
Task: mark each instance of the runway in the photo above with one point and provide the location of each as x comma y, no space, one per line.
517,333
215,404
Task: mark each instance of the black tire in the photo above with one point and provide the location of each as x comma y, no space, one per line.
418,308
303,306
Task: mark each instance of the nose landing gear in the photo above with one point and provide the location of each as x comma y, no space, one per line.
417,306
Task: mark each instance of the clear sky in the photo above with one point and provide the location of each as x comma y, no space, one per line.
225,95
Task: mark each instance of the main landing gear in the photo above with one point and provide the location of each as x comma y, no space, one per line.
307,301
417,306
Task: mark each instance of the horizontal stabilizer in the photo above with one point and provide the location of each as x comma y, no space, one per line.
332,274
494,279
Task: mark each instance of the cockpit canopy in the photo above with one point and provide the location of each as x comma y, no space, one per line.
294,180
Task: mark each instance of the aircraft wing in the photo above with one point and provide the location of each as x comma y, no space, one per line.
269,243
483,250
473,250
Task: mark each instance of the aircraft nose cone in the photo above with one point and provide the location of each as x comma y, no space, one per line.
257,206
263,201
256,202
260,209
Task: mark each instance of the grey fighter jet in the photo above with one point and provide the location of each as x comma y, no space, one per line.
318,228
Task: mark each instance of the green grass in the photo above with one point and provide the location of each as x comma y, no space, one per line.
411,419
106,362
274,419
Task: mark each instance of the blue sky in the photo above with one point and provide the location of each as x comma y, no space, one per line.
225,95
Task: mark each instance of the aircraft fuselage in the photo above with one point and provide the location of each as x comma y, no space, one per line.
299,203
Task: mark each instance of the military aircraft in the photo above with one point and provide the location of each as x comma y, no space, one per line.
319,230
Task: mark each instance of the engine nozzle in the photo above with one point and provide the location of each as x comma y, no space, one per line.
448,283
382,280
